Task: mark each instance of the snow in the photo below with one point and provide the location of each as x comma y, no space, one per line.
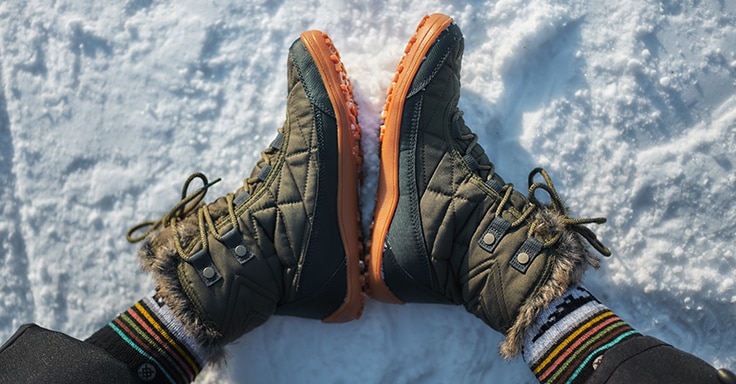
106,108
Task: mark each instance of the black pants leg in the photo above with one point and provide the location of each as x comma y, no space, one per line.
37,355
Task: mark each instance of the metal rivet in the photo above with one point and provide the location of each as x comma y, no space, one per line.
597,362
208,272
241,250
523,258
726,377
488,238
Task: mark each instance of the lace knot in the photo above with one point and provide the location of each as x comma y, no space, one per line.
573,224
186,205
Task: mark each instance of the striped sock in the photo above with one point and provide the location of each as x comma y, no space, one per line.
152,342
570,336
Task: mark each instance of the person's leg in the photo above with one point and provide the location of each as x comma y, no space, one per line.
448,229
287,242
37,355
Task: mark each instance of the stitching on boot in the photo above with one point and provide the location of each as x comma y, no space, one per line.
526,254
493,234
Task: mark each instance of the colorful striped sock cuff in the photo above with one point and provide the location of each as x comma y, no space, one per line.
152,342
570,335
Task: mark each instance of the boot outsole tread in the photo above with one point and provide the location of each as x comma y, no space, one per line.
340,91
426,34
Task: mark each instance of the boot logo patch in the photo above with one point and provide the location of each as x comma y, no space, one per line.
146,372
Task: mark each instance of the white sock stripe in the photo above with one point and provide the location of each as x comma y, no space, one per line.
574,293
559,328
175,327
533,350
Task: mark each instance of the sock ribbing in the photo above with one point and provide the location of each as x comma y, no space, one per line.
152,342
569,337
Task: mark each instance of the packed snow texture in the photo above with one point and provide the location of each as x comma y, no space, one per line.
106,108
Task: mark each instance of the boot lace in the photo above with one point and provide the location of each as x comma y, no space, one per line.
191,202
557,205
479,164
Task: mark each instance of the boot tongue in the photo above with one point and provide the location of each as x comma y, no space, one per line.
261,170
466,143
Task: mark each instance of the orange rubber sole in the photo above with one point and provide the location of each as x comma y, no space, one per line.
387,196
350,157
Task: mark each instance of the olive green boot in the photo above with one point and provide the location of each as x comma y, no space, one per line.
447,228
288,241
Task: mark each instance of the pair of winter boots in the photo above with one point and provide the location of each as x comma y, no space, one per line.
446,227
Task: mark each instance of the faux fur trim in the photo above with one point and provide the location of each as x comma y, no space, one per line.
158,256
571,260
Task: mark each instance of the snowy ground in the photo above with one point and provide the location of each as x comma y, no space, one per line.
631,106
